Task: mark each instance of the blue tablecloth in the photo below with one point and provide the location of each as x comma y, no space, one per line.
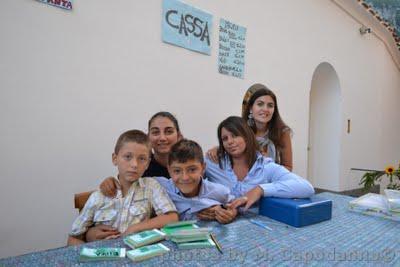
349,239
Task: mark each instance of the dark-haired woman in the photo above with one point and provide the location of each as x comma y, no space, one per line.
163,132
260,111
242,168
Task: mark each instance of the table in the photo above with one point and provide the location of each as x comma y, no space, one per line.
348,239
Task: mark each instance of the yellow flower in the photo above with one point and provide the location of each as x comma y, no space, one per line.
389,170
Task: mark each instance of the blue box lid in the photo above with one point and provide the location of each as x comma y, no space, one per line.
296,202
297,212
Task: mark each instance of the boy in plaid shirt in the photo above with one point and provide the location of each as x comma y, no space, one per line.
136,199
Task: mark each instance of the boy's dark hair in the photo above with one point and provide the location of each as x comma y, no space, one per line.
135,136
165,114
185,150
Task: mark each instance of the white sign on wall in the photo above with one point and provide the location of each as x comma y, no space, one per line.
232,38
186,26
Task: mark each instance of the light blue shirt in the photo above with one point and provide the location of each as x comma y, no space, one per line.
274,179
210,194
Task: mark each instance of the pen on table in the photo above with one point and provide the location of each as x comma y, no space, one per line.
216,243
260,224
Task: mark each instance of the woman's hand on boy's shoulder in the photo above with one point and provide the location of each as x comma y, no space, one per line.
109,187
224,216
212,154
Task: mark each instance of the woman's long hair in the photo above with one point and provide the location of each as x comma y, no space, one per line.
238,127
276,125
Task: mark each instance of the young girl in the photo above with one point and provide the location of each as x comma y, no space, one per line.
241,167
137,198
260,111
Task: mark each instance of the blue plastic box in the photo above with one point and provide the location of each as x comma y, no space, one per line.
296,212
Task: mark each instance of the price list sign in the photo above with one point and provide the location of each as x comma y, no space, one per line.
232,39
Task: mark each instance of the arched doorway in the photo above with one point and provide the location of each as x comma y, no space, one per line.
324,128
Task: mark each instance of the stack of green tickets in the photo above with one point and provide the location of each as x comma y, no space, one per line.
144,238
182,225
97,254
208,243
192,238
147,252
189,235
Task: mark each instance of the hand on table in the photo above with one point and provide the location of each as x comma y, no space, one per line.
249,199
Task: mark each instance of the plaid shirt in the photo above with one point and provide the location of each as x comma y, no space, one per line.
144,196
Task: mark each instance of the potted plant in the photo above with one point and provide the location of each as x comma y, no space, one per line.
371,176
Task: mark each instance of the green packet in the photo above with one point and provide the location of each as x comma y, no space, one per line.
189,239
144,238
191,232
147,252
183,236
180,223
197,244
96,254
169,229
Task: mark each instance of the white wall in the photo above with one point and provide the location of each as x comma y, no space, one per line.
71,82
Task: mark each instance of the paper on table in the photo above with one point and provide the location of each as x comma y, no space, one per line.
393,197
373,204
